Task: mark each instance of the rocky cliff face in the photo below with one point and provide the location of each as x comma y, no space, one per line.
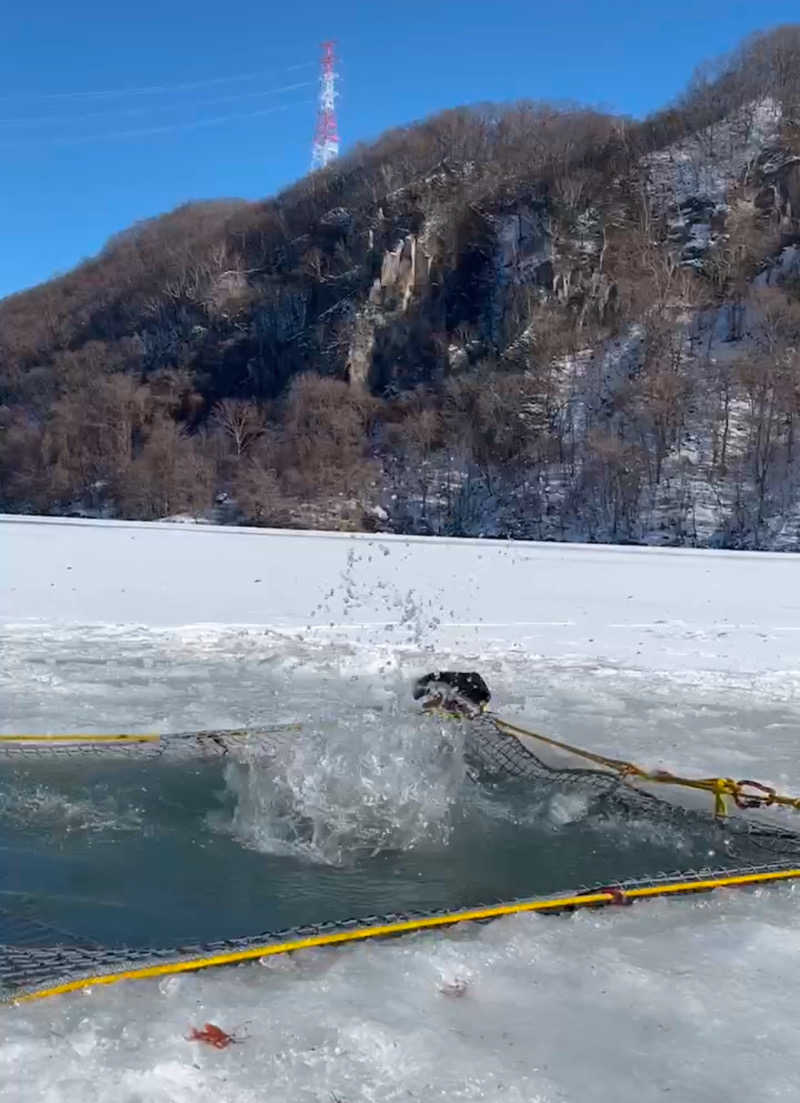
602,316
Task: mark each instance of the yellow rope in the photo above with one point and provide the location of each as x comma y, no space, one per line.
405,926
134,737
742,792
603,760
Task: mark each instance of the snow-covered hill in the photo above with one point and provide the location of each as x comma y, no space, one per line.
525,320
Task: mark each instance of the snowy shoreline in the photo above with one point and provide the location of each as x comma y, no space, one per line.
383,537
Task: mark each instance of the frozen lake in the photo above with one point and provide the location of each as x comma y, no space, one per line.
679,659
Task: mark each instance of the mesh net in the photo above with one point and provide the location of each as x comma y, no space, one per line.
37,954
211,744
29,968
494,753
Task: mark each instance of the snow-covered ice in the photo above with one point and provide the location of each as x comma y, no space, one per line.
682,659
664,609
689,1000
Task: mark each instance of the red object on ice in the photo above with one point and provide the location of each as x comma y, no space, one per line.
212,1036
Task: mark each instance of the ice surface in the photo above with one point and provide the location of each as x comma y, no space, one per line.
677,998
683,659
658,609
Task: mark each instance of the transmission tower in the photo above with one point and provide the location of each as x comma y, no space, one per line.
326,137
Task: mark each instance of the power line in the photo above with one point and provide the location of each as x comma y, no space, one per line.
118,135
44,120
153,89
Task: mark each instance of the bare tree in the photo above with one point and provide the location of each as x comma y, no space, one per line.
170,475
770,378
608,497
242,422
258,494
325,431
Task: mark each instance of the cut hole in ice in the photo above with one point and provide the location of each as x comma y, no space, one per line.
351,820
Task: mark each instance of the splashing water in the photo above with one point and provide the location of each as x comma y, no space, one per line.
91,810
355,786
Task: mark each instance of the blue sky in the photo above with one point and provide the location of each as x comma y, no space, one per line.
114,113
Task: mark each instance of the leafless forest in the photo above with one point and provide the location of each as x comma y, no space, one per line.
533,320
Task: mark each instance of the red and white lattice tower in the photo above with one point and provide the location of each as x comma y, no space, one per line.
326,136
